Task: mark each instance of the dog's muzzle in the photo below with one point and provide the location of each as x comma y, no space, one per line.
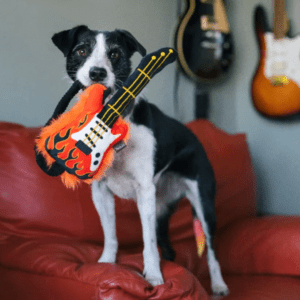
97,74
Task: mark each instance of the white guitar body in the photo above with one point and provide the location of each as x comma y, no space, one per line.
98,137
282,58
276,82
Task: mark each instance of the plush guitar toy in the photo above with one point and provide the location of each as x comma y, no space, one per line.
78,145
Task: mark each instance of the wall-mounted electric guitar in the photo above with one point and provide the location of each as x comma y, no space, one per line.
276,83
203,40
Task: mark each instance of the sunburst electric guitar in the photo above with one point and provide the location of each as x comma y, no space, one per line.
276,83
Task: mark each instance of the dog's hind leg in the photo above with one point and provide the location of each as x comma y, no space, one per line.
105,205
169,190
162,232
202,200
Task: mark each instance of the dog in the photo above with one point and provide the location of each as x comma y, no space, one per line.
162,163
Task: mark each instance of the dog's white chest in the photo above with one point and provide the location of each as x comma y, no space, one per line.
134,165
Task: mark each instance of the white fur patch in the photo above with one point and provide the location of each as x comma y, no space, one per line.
133,164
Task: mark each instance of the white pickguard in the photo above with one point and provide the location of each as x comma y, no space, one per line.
282,57
101,143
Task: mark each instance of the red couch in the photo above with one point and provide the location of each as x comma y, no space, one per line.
51,237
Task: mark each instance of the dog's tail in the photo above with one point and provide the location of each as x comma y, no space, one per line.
199,236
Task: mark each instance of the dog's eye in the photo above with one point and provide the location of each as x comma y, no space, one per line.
81,52
114,54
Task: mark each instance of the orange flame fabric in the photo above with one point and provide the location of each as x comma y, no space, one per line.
200,237
90,102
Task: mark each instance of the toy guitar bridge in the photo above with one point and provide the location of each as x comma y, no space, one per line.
82,140
81,152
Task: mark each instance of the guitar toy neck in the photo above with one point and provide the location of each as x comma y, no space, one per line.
148,67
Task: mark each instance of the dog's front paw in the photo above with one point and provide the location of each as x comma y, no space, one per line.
107,257
154,281
154,278
220,290
109,253
152,272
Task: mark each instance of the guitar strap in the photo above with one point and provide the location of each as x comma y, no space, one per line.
201,94
65,100
201,102
56,169
178,115
176,88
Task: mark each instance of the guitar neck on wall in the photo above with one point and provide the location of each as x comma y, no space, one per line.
276,83
203,40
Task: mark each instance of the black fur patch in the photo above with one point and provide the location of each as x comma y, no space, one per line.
179,149
176,145
162,233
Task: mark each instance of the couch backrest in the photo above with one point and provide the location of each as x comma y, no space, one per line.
230,158
32,203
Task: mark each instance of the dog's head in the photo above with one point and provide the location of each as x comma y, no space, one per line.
98,56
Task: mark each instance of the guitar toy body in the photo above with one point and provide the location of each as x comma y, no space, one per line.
80,141
203,40
276,83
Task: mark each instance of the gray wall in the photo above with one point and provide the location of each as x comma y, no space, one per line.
275,145
32,69
33,78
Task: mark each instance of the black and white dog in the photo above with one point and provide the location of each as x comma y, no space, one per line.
162,162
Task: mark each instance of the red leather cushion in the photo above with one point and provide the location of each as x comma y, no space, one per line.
33,203
266,245
251,287
64,279
50,230
231,161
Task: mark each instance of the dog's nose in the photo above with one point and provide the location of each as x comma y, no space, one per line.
97,74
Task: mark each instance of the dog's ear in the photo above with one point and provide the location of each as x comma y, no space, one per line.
66,40
131,42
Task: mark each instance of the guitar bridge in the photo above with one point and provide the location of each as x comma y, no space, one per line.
83,147
279,80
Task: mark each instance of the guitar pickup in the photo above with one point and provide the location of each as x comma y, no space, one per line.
83,147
